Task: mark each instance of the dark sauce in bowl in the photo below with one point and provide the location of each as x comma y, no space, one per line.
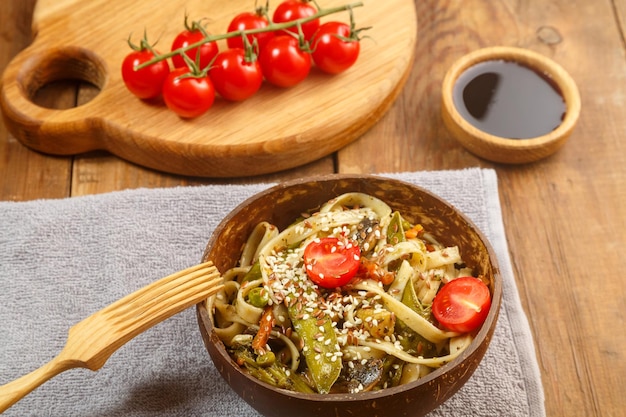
508,100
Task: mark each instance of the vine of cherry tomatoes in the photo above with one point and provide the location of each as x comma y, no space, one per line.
280,50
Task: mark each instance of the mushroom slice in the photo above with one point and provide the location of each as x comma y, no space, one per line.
360,376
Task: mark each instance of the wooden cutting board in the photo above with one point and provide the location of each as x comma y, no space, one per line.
274,130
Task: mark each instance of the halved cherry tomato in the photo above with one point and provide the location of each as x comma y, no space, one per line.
291,10
234,77
331,262
283,62
188,37
186,94
462,304
147,82
248,21
335,47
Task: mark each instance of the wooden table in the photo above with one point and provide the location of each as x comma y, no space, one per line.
565,216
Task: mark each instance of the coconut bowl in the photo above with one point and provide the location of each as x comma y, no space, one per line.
285,202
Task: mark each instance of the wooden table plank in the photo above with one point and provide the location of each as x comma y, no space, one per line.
26,175
101,172
564,216
581,187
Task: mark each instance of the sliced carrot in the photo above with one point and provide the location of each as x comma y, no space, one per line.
265,328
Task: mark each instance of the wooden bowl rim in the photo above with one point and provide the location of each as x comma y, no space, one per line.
483,334
534,60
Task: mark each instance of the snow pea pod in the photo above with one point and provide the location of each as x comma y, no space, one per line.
320,347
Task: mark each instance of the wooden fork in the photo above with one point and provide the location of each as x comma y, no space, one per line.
92,341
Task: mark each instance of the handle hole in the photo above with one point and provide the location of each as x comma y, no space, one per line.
64,78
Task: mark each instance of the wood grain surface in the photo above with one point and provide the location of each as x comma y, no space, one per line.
565,216
276,129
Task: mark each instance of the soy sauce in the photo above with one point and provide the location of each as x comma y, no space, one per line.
509,100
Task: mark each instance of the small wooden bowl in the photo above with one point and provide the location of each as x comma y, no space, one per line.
283,203
500,149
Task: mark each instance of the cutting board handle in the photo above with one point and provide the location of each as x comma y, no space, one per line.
38,127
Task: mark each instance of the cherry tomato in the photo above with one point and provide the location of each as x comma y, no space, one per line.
188,37
188,95
283,62
330,262
462,304
234,77
335,49
291,10
248,21
147,82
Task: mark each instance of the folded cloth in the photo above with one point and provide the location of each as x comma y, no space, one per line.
62,260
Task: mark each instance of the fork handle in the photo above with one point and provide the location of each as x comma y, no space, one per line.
14,391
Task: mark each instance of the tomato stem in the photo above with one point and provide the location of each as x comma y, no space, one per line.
143,43
249,48
263,11
269,28
354,32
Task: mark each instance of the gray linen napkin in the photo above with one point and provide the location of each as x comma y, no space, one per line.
62,260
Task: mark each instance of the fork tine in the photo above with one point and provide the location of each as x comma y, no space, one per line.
187,294
139,297
135,313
